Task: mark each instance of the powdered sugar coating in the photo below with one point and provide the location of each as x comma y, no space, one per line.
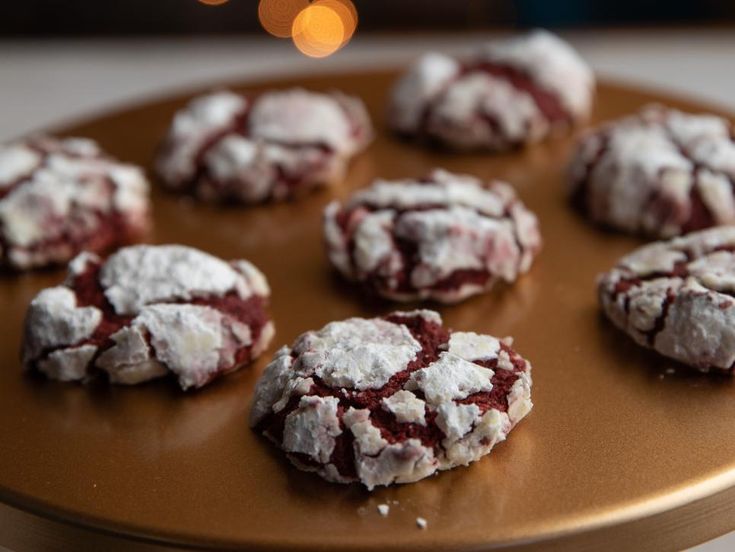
467,379
424,412
472,345
552,63
677,297
356,353
58,321
445,237
60,196
406,407
224,146
146,312
659,173
424,80
17,161
311,429
510,93
136,276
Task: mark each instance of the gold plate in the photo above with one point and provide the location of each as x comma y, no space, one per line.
616,453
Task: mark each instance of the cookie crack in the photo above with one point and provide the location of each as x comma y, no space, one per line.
660,321
700,215
546,101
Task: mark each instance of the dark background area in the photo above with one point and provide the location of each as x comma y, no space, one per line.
140,17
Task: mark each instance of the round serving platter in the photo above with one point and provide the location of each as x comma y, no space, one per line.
618,451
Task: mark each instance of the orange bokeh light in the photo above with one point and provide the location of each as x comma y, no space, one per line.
277,16
324,27
213,2
346,11
318,31
318,28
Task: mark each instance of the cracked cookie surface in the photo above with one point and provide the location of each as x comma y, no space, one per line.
148,311
390,400
676,297
659,173
60,196
445,237
509,93
254,148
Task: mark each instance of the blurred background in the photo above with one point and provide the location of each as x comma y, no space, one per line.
63,59
145,17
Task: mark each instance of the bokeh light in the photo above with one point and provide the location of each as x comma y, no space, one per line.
318,31
346,12
277,16
323,27
213,2
318,28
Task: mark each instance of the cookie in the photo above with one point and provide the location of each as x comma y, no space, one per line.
148,311
444,237
390,400
273,146
510,93
676,297
62,196
659,173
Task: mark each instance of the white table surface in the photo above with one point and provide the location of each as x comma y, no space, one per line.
50,82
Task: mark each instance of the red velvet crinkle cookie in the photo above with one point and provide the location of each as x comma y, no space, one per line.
390,400
510,93
444,237
677,297
148,311
61,196
659,173
273,146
